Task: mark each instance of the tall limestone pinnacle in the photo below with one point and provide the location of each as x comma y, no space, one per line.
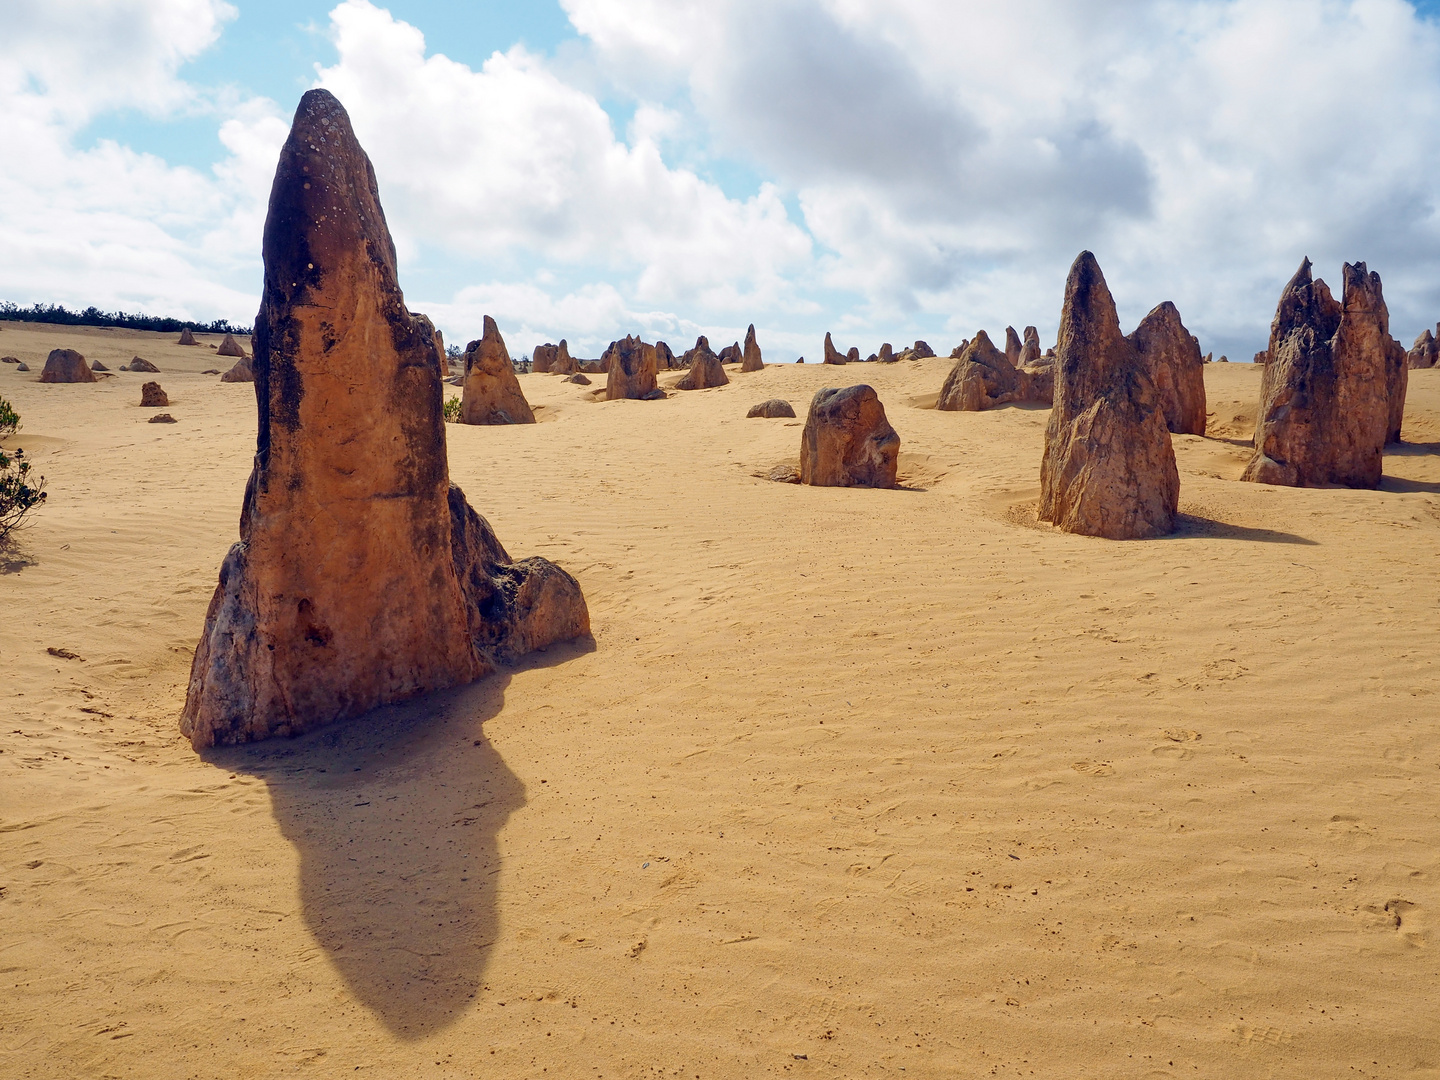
361,577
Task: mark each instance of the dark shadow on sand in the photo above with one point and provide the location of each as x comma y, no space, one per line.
13,557
1400,484
1192,526
396,816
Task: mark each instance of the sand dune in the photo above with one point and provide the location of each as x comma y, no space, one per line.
850,782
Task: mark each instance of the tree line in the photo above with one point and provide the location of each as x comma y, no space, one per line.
93,316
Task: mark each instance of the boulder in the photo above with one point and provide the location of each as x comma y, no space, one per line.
1172,359
187,338
632,369
1424,352
873,358
161,418
16,360
853,356
847,442
1223,360
243,370
731,354
98,366
1108,469
579,379
832,354
772,409
1041,375
664,358
705,370
141,364
362,577
751,360
210,371
982,378
922,350
1013,348
22,366
886,355
64,366
1325,396
491,393
231,347
153,397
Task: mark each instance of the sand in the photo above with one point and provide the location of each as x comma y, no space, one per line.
851,782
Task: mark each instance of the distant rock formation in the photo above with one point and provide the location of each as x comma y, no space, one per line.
752,360
64,366
775,407
187,338
16,360
847,441
231,347
1325,397
982,378
579,379
664,358
153,397
705,370
1108,469
832,354
243,370
20,365
161,418
1423,354
1262,358
1013,348
552,358
361,577
1030,350
631,370
139,363
922,350
1397,384
886,355
853,356
731,354
801,360
492,393
96,366
1172,359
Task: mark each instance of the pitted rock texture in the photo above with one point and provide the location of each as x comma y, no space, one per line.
1108,469
231,347
361,576
1326,394
752,359
832,354
847,441
153,397
632,369
1172,357
772,409
492,393
64,366
705,370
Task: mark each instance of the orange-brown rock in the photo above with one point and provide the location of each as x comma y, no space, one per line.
1262,358
1108,469
1030,350
631,370
361,577
139,363
243,370
1397,385
153,397
705,370
231,347
922,350
1013,348
853,356
886,355
66,366
187,338
162,418
982,378
847,441
1424,353
492,393
752,359
731,354
832,354
664,358
1171,356
1041,376
1325,396
555,359
775,407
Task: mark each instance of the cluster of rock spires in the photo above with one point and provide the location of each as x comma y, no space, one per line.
886,355
362,576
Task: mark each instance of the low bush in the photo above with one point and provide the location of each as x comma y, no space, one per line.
451,410
19,492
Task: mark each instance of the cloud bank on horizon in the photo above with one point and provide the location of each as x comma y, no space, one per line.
908,168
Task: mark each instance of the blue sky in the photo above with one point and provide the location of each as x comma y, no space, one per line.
884,171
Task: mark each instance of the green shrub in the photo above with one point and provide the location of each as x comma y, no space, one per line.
9,421
19,493
451,410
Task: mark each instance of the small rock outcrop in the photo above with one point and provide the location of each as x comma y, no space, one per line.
579,379
16,360
1030,350
705,370
362,577
632,370
161,418
664,358
64,366
832,354
853,356
731,354
492,393
772,409
243,370
1261,358
1013,348
555,359
22,366
153,397
139,363
1171,356
187,338
231,347
982,378
1108,469
1424,352
847,441
752,360
1325,397
98,366
801,360
886,355
922,350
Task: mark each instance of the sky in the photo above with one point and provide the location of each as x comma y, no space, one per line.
884,169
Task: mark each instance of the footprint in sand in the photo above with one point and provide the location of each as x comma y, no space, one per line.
1093,768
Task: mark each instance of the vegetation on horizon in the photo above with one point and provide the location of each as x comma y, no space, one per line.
18,493
93,316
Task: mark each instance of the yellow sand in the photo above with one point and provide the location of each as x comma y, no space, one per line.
851,781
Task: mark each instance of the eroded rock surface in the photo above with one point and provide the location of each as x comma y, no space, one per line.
243,370
751,360
1030,349
731,354
705,370
772,409
982,378
187,338
1108,469
1013,348
632,369
153,397
1326,394
65,366
847,441
1171,356
664,358
1424,352
832,354
231,347
139,363
492,393
361,576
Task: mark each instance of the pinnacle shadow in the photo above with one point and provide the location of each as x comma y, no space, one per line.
396,817
1192,526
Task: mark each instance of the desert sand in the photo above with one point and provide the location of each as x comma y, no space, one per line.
850,781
